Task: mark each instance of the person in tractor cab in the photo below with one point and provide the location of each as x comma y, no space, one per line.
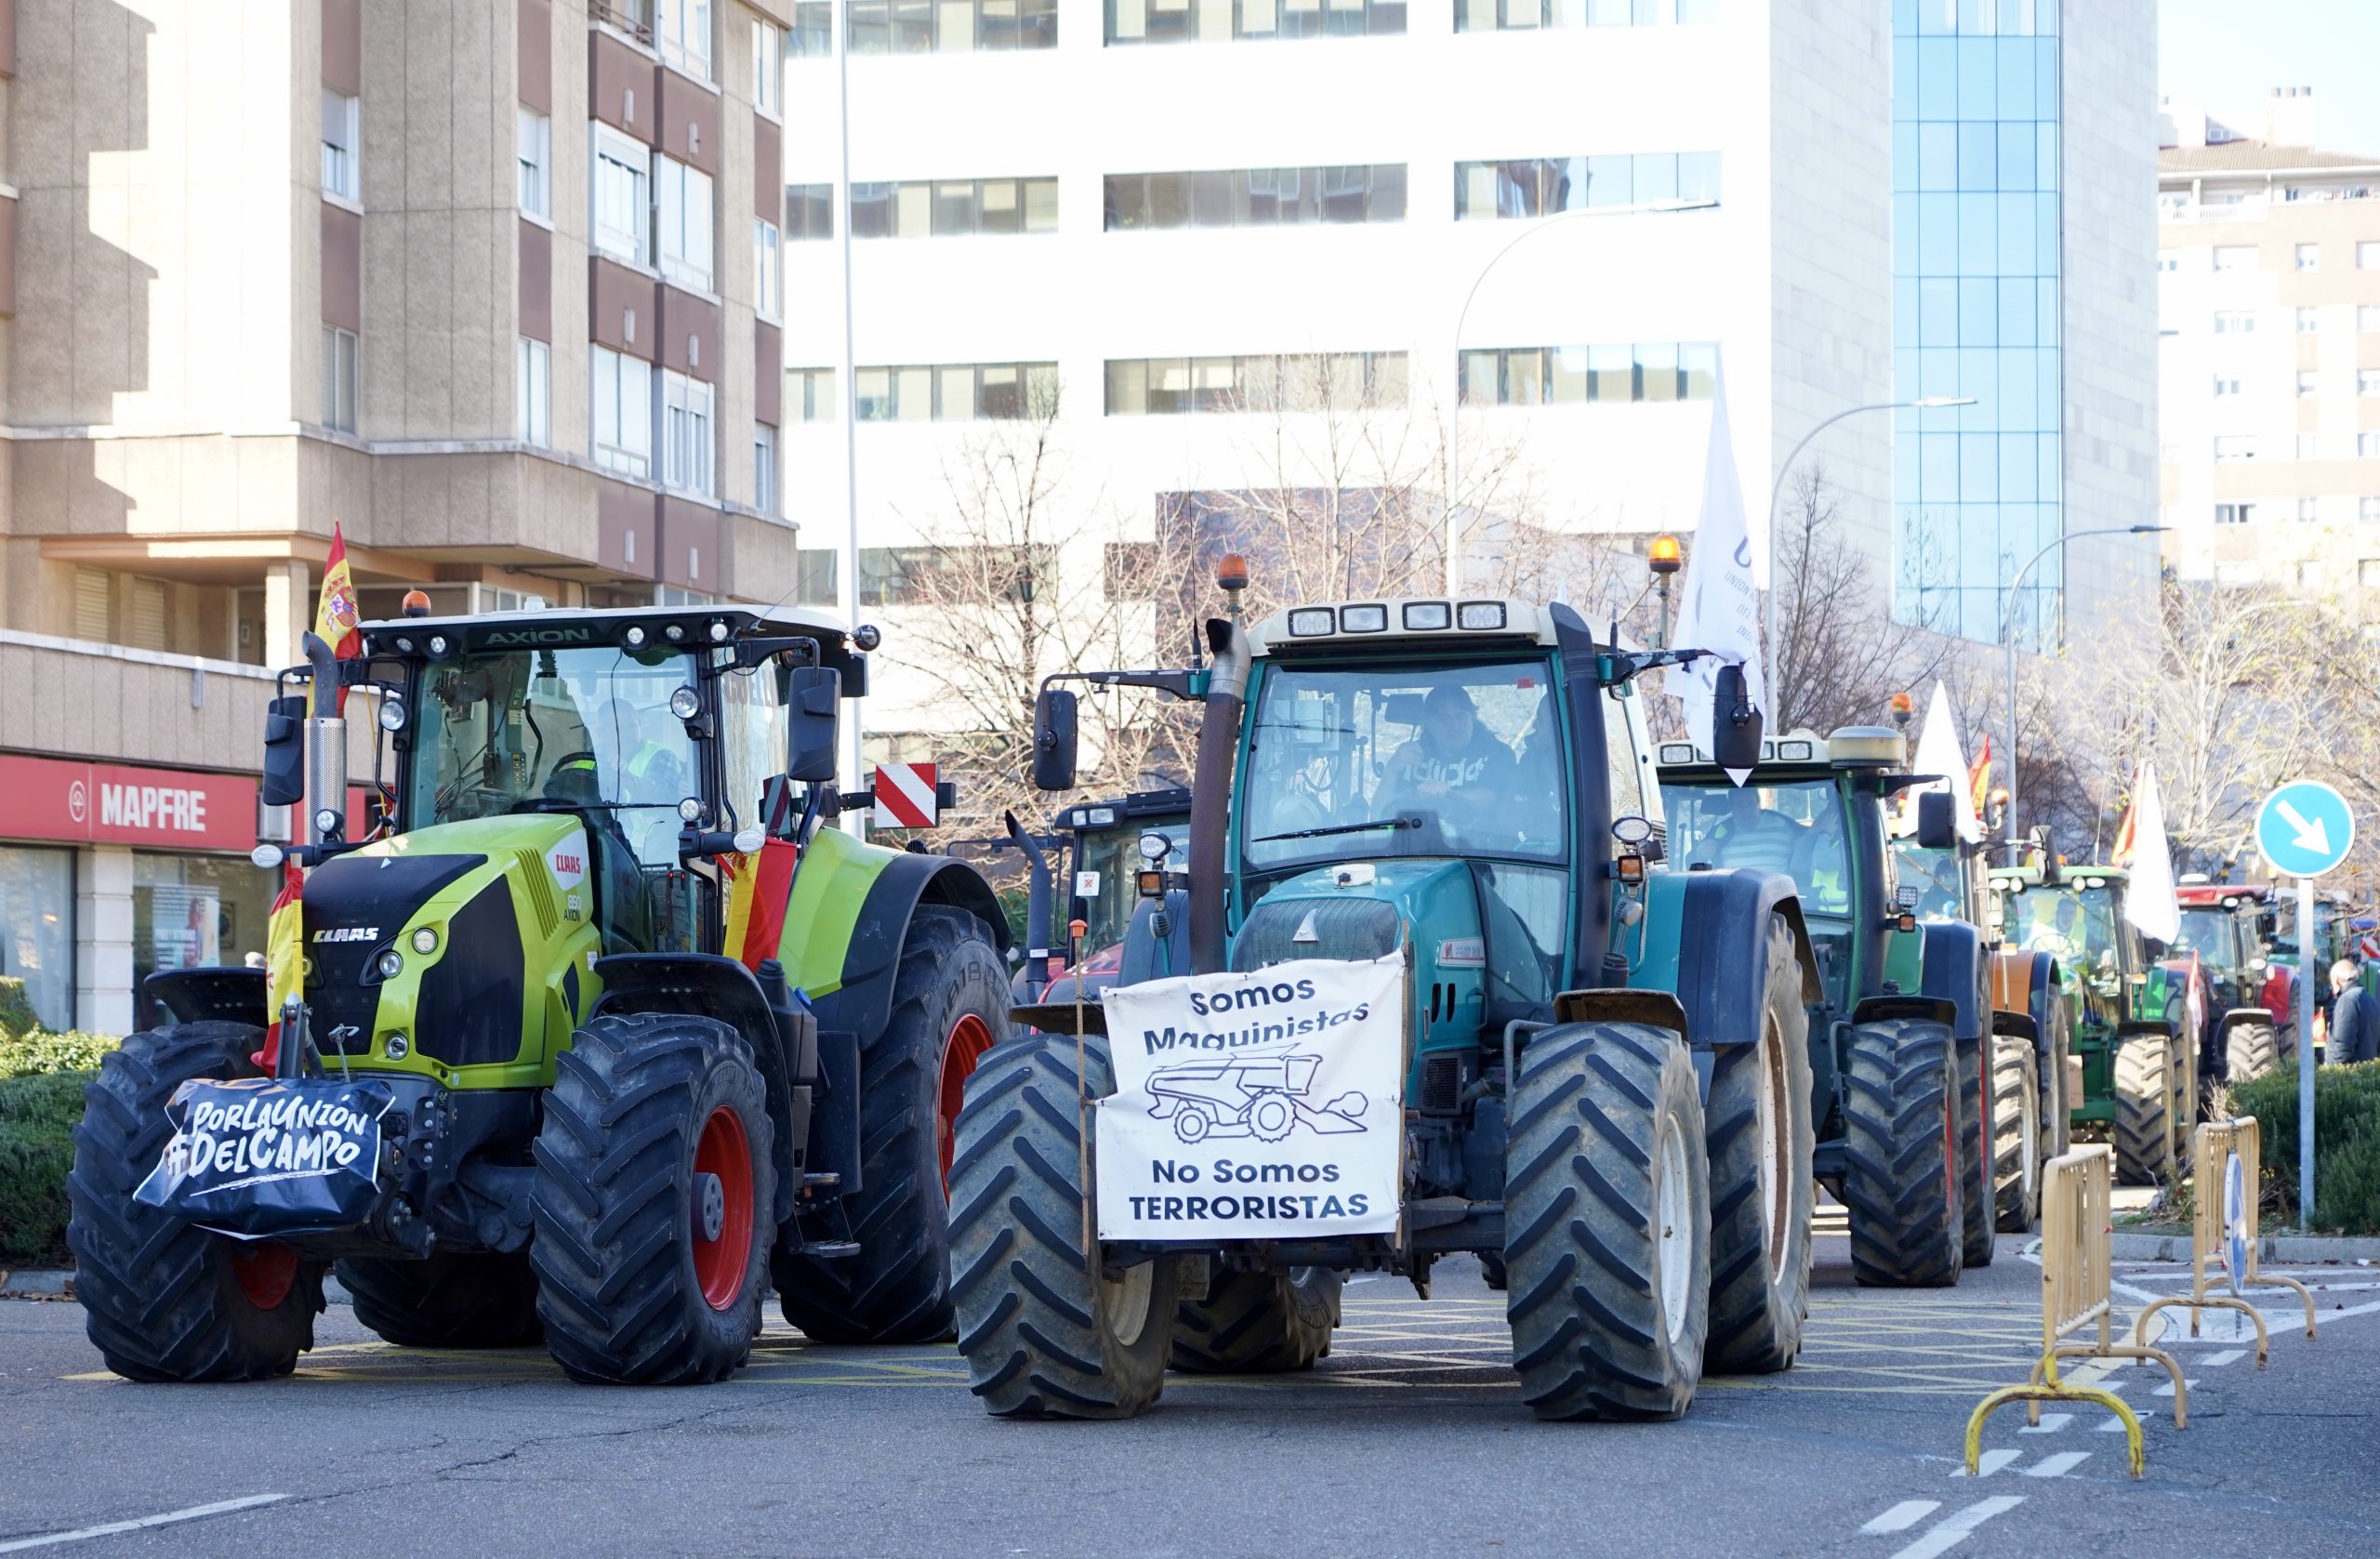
2061,934
1752,836
2354,1017
1454,760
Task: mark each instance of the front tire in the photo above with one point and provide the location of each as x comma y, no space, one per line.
2015,1134
1258,1323
651,1202
164,1299
1607,1223
2250,1050
1762,1194
1900,1177
2144,1125
1976,1156
468,1299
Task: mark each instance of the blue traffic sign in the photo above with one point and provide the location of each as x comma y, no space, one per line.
2304,828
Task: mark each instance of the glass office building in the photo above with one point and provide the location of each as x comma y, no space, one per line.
1977,290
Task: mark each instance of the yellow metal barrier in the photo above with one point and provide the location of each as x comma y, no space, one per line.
2077,1218
2217,1141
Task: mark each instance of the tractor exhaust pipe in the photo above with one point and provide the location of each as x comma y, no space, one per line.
1038,933
1210,790
325,752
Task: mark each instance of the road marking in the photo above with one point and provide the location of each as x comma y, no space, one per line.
2051,1424
1901,1517
2227,1355
1953,1530
195,1513
1988,1463
2056,1466
2113,1426
2167,1389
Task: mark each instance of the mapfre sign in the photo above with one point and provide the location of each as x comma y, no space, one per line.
116,803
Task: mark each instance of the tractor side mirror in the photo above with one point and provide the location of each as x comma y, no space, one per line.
1054,740
1735,724
812,694
1937,823
284,751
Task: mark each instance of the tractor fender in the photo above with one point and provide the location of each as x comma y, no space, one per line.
195,996
1928,1009
1951,955
862,1002
2235,1016
1722,952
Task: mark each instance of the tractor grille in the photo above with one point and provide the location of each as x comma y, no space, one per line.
539,882
377,894
1351,930
469,1011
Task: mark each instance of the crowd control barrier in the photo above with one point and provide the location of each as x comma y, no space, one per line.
2223,1231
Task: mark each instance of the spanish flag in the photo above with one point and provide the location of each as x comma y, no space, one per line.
2120,853
336,620
285,960
759,887
1979,776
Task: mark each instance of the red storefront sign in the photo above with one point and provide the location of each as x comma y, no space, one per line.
116,803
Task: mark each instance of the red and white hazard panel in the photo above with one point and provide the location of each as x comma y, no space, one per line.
905,796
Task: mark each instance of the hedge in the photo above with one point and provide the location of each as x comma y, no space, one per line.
16,1008
2346,1144
41,1098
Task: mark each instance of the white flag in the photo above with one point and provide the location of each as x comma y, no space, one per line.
1938,753
2151,905
1722,609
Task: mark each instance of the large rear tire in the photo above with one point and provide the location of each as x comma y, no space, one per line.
1976,1156
163,1300
1045,1330
468,1299
1762,1195
1900,1177
2144,1134
2249,1049
949,1008
2186,1100
2058,1109
1258,1323
2015,1134
651,1202
1607,1216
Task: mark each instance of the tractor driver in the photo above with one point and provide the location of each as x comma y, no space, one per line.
1453,758
2062,932
1752,835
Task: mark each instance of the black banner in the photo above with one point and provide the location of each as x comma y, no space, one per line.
265,1159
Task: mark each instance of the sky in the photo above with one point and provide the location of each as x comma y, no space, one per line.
2227,55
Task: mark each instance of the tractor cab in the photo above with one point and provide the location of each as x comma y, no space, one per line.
1104,848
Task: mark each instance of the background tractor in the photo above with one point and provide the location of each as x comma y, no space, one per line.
1607,1089
606,1130
1897,1023
1101,851
2133,1075
2241,1037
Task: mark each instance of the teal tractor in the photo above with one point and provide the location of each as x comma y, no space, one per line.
1604,1090
1897,1025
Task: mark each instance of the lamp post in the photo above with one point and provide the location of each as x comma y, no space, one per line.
2009,643
1454,420
1777,488
1665,559
855,821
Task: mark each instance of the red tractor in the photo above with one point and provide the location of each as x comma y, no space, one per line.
2242,999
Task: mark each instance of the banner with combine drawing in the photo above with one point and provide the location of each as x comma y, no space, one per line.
1255,1106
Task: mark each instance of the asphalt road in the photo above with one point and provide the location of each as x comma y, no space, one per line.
1409,1438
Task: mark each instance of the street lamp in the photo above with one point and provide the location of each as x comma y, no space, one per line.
2008,642
1665,559
1777,488
1454,432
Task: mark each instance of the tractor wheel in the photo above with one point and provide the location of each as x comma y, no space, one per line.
1761,1140
1491,1270
949,1008
1045,1328
2144,1123
470,1300
651,1200
164,1299
1607,1223
1976,1154
1900,1155
2185,1101
2015,1134
2249,1049
2058,1110
1258,1323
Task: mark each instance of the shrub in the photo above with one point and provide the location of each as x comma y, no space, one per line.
31,1054
41,1098
16,1008
2346,1142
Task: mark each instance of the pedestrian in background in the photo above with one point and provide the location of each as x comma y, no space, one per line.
2354,1017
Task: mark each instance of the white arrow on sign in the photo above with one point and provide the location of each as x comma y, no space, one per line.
2311,835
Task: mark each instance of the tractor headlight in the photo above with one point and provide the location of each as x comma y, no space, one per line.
393,715
438,646
327,821
685,702
690,811
396,1047
425,941
634,637
390,963
718,632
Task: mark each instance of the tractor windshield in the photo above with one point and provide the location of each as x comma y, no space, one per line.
2074,924
1937,875
1104,861
1791,826
2208,932
1405,760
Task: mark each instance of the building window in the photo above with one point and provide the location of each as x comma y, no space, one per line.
809,212
1256,197
1483,16
2309,510
623,172
681,32
537,154
956,393
953,207
338,378
2235,256
2234,514
810,395
2169,261
2367,573
950,26
2367,318
1575,375
620,412
1170,386
1541,186
2309,257
768,68
682,220
2234,322
1217,21
815,575
686,434
2238,446
37,905
814,30
631,17
764,468
2308,321
2306,381
2309,446
2227,384
766,267
342,143
532,399
2367,381
2367,256
907,575
2367,446
2368,510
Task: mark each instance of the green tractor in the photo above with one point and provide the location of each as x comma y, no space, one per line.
2132,1072
1604,1088
581,1118
1898,1023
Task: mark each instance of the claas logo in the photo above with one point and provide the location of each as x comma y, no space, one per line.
568,866
347,933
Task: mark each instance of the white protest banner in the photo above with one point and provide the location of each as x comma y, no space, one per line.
1721,611
1255,1106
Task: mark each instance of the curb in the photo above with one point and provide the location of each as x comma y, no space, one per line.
50,1285
2299,1249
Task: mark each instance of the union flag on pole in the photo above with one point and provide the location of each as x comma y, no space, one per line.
285,960
336,620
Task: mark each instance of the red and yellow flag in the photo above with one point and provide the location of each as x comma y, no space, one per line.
285,959
336,620
2120,853
759,887
1979,776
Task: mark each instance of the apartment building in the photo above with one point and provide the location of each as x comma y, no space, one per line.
488,285
2269,328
